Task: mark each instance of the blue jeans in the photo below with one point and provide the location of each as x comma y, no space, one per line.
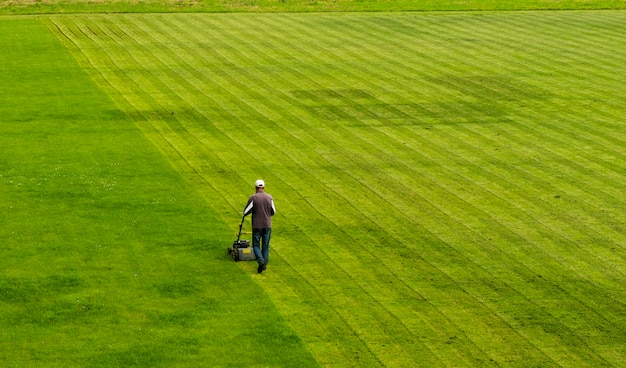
261,236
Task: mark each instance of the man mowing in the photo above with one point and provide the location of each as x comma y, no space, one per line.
261,206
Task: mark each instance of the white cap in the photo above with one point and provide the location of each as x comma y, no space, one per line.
259,184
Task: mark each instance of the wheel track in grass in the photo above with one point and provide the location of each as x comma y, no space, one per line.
343,194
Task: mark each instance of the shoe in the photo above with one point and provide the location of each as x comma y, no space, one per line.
261,267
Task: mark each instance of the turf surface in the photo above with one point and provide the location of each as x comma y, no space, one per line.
449,186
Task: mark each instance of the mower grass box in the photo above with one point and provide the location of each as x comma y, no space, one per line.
241,251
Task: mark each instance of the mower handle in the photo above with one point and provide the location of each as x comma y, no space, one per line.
240,226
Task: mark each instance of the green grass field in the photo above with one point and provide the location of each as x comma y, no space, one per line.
449,187
264,6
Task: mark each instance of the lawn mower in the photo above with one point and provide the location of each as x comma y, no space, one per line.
241,250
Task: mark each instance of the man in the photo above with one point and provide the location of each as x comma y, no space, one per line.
261,206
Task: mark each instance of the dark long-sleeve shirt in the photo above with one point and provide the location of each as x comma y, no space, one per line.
261,206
